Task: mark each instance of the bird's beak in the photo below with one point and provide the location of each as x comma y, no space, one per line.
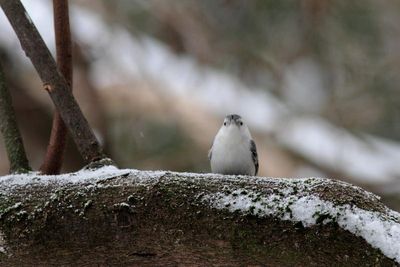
234,123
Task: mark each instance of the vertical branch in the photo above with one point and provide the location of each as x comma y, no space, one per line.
9,129
55,150
54,83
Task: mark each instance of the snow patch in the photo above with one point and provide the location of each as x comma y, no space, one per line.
380,230
82,176
76,177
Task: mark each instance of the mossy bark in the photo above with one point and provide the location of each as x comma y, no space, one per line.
9,129
123,221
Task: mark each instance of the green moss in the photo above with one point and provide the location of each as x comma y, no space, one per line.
251,209
9,209
289,210
321,218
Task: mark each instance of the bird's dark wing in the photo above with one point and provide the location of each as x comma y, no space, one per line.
254,155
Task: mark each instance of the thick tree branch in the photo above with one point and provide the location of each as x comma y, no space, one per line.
131,218
9,129
53,81
55,151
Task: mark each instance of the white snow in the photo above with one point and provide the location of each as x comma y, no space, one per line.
86,176
381,231
80,176
76,177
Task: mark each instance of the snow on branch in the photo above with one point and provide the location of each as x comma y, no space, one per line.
202,207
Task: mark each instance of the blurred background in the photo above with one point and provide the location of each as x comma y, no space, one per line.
317,81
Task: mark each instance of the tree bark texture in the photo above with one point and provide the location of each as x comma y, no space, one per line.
55,150
54,83
9,129
160,219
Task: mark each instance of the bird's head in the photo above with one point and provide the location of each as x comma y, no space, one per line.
235,123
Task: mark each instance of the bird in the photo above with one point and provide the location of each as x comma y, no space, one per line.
233,150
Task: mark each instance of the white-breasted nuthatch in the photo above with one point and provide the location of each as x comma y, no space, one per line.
233,150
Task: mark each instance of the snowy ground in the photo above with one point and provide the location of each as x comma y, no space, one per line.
291,199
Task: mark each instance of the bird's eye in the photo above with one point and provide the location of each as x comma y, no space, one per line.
224,123
241,123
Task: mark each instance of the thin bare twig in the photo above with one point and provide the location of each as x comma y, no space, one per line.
55,150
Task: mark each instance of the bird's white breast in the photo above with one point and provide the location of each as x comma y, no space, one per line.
231,153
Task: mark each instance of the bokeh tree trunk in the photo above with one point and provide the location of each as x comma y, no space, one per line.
9,129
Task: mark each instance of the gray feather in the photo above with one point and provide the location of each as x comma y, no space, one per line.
233,117
254,155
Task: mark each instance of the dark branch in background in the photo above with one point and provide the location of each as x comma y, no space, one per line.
53,81
55,150
9,129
